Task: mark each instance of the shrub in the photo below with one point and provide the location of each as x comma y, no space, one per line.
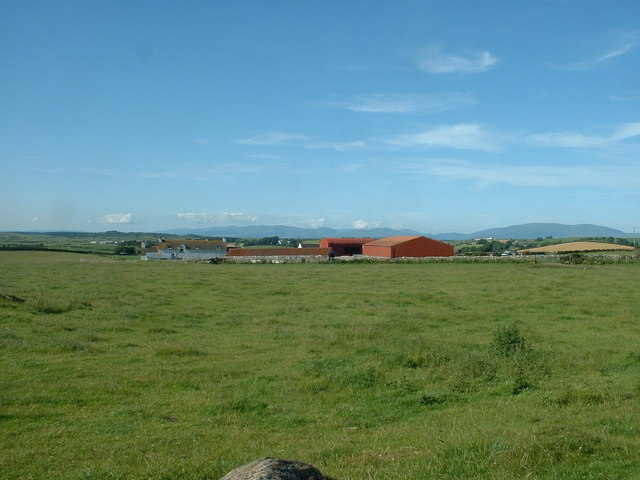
572,259
518,356
507,341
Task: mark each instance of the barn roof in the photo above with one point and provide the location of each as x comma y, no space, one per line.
391,241
271,252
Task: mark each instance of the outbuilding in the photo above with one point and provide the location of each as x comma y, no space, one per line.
192,250
407,246
345,247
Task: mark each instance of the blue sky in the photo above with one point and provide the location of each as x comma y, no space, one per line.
437,116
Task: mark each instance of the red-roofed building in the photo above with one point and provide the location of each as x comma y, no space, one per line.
345,247
409,246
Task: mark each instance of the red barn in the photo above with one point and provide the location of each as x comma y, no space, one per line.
397,247
344,247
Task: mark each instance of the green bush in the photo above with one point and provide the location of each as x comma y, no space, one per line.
507,340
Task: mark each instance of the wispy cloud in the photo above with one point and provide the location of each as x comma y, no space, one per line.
203,141
103,172
405,103
620,46
162,175
244,219
350,146
578,140
632,96
273,138
340,147
204,173
463,136
264,156
628,130
115,218
434,60
617,177
291,219
218,218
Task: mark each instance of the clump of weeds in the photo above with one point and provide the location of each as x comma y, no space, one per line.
518,355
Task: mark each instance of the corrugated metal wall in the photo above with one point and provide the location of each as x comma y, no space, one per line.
417,247
423,247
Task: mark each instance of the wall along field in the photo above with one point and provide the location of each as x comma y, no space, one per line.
143,370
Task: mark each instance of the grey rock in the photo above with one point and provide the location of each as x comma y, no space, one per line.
275,469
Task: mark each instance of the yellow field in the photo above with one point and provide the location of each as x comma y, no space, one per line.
577,247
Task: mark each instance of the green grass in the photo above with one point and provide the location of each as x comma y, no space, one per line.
165,370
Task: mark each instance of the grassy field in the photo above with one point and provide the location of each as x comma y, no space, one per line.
165,370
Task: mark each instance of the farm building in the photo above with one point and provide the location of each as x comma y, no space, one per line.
345,247
572,247
410,246
278,255
186,250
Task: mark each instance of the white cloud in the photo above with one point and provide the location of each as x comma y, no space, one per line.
291,219
340,147
116,218
361,224
406,103
315,222
616,52
264,156
577,140
619,177
273,138
224,217
349,146
569,140
101,172
621,45
241,219
461,136
628,130
433,60
166,174
633,96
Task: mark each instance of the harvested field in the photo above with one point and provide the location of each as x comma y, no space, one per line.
578,247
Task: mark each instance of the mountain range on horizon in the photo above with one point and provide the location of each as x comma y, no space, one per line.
523,231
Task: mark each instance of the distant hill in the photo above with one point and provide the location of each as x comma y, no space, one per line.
284,231
536,230
527,230
524,231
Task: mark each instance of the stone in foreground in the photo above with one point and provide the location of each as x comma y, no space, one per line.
275,469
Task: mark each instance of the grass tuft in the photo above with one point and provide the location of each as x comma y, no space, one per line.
55,307
180,351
